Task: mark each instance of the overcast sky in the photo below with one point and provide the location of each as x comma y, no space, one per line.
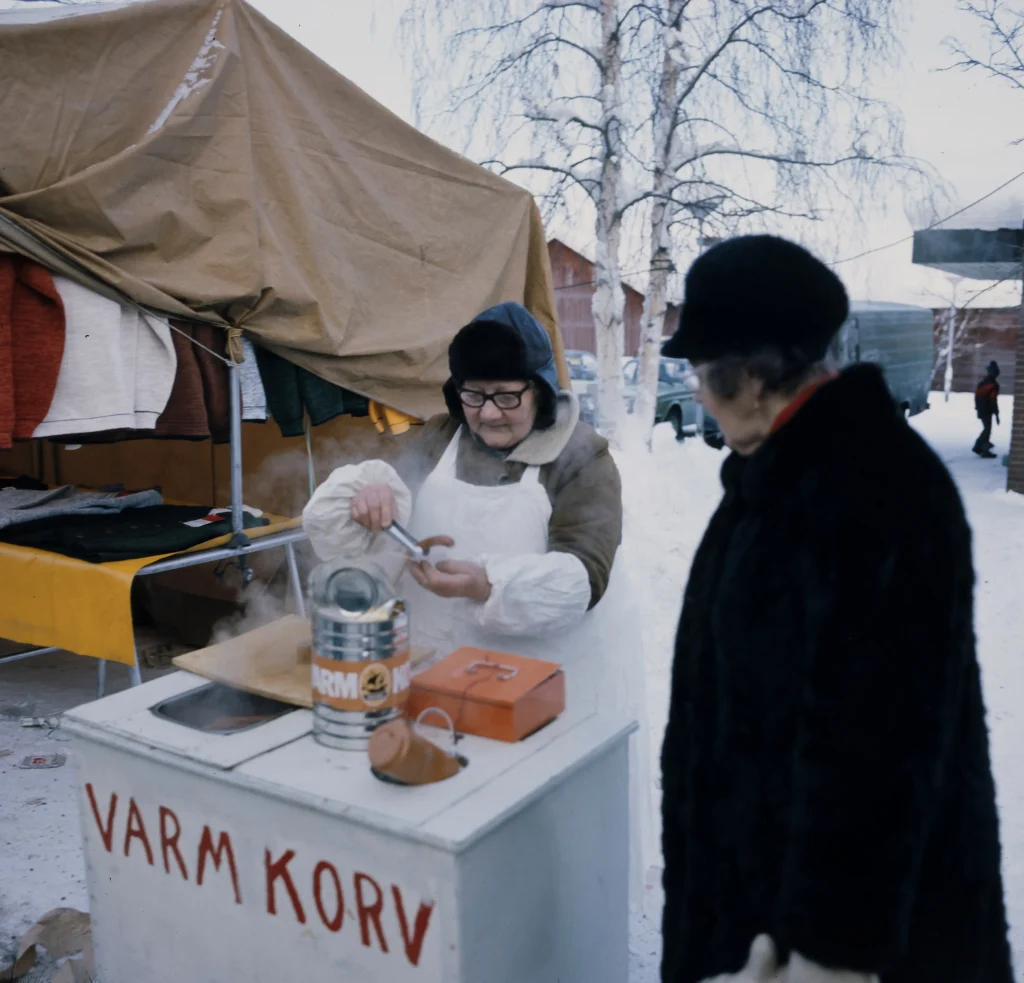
961,124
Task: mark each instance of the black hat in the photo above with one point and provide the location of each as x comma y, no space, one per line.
755,291
993,369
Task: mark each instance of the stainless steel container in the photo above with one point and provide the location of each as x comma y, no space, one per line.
360,662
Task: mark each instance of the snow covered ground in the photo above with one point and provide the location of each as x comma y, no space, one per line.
669,498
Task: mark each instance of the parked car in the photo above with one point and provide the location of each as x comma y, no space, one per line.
677,384
583,373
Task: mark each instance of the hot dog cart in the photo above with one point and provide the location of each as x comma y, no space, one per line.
251,852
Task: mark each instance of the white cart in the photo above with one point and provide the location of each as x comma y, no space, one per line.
261,856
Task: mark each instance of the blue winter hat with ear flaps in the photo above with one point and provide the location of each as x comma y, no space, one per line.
503,344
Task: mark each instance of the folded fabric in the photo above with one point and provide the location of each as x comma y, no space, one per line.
19,506
254,397
31,346
22,482
117,369
135,533
292,392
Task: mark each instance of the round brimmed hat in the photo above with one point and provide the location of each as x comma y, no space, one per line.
758,291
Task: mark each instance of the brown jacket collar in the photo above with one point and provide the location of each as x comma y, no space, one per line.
544,446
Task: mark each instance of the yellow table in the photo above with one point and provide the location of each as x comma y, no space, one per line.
55,601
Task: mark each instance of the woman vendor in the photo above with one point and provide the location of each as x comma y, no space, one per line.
531,498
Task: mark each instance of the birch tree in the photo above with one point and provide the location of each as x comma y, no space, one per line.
955,338
535,90
1004,57
693,114
760,116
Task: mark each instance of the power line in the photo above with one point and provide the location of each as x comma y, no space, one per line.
850,259
934,225
590,283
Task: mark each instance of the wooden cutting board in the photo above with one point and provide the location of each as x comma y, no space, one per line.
272,661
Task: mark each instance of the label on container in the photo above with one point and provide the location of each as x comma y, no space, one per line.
361,686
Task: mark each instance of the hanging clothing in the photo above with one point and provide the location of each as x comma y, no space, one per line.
117,368
209,351
292,392
185,415
387,419
19,506
254,396
199,406
31,346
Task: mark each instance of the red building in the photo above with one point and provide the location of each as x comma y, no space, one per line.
574,290
986,254
989,333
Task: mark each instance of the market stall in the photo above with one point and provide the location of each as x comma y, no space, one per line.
225,197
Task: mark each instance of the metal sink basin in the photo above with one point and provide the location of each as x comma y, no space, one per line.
219,709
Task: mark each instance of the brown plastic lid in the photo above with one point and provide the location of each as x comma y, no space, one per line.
389,745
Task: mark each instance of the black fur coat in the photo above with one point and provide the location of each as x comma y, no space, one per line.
826,769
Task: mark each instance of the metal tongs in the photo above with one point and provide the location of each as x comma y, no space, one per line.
417,550
406,540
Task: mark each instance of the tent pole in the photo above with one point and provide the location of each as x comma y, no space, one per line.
237,524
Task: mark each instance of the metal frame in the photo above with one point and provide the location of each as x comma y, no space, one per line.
239,547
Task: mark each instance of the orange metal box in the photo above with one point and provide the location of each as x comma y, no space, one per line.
490,694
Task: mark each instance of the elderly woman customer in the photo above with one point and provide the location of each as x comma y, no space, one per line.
829,809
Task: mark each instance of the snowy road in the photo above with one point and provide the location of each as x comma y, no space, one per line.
670,497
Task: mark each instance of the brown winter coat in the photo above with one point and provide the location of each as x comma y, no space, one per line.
576,470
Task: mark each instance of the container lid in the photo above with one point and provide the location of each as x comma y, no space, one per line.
484,676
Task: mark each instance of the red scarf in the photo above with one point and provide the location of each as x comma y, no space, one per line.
801,398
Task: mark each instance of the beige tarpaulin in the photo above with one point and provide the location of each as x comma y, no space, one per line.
194,157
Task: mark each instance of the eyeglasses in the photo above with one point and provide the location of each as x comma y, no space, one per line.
504,401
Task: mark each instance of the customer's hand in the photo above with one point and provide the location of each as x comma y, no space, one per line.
763,967
453,578
374,507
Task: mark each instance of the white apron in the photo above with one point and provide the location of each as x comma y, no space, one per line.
603,654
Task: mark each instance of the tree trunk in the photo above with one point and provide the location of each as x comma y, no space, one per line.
948,380
609,301
653,323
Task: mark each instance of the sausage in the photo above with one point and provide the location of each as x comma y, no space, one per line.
431,541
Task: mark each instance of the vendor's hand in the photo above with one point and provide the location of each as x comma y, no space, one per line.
374,507
453,578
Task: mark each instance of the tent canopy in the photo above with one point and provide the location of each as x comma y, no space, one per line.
196,159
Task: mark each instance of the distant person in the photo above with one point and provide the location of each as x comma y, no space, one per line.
986,402
828,802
